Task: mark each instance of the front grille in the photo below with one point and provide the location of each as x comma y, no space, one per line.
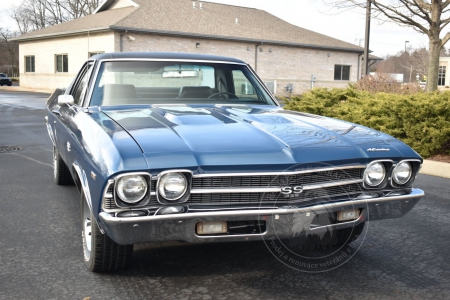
321,193
276,180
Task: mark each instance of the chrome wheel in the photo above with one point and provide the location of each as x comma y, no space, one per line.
61,173
55,163
101,253
87,231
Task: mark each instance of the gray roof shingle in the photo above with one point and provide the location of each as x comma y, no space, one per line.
214,21
93,22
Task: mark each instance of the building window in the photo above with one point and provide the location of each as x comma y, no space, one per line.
441,75
62,63
29,64
341,72
95,53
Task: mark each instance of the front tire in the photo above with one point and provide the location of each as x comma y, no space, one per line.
61,173
101,253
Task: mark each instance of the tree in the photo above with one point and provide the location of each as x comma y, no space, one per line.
429,17
8,52
37,14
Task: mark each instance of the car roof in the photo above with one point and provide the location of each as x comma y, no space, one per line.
165,55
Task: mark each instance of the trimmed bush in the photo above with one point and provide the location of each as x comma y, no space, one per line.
421,120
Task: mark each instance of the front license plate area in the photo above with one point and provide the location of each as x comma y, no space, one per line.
204,228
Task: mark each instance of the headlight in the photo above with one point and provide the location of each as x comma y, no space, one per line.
132,188
374,174
402,173
172,186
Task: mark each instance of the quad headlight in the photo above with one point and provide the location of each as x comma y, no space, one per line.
132,188
374,174
402,173
172,186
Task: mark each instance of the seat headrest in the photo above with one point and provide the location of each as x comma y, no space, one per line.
118,91
195,92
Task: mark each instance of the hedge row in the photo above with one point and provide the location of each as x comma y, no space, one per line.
421,120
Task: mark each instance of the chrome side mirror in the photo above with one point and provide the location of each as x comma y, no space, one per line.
65,99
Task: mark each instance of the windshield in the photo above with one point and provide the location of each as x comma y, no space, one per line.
156,82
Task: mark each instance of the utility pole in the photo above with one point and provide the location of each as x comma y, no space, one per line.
366,70
404,62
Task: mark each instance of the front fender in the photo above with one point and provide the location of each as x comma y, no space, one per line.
83,181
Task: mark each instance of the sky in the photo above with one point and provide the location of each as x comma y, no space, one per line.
386,39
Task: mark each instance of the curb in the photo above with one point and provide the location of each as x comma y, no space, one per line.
435,168
24,89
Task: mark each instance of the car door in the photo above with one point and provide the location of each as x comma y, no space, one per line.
66,131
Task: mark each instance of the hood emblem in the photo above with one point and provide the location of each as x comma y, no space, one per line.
378,150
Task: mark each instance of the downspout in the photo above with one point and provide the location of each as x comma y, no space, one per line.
121,40
359,66
256,56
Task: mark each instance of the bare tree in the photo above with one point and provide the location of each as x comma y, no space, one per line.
8,52
418,60
37,14
429,17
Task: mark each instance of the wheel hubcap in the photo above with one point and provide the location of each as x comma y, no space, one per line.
55,162
87,231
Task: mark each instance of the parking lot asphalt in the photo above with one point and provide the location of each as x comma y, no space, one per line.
41,252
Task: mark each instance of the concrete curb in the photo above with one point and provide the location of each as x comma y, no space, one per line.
24,89
435,168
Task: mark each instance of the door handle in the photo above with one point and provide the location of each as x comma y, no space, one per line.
56,112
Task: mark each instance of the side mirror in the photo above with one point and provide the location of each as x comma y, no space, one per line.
65,99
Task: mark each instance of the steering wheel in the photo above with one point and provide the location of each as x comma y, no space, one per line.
223,93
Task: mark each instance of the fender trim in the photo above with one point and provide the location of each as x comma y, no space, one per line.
85,189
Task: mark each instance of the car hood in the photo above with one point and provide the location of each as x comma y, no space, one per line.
265,137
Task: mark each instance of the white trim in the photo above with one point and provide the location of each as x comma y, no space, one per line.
105,4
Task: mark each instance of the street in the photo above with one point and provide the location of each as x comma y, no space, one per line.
41,251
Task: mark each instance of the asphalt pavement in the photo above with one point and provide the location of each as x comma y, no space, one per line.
41,251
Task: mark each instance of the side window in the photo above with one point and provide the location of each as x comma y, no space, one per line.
81,86
441,75
341,72
62,63
243,88
29,64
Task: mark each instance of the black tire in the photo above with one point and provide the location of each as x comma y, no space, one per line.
61,173
101,253
10,84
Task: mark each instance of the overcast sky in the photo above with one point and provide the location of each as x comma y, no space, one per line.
314,15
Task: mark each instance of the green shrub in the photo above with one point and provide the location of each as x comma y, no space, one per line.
421,120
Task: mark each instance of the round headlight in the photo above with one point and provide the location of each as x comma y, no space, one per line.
172,186
132,188
402,173
374,174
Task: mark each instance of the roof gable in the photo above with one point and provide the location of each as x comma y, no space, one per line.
114,4
90,23
221,20
182,18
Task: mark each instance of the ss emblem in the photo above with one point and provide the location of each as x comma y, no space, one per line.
287,190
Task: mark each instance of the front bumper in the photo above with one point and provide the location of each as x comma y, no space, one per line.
280,222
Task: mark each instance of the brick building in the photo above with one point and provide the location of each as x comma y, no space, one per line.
281,53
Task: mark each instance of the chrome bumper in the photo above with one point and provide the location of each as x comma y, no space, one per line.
280,222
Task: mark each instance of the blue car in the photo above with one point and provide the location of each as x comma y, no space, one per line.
194,148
